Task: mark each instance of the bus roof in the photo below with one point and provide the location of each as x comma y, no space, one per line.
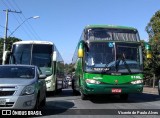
110,26
34,42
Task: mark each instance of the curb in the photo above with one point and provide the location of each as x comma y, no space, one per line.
150,90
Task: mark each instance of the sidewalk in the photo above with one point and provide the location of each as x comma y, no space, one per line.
150,90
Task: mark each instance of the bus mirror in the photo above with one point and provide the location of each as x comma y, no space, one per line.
149,55
80,53
148,51
80,50
6,56
54,56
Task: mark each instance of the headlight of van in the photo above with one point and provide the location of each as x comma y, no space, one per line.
28,90
92,81
137,82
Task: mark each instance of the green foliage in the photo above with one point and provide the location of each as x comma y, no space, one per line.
68,68
153,28
152,66
9,42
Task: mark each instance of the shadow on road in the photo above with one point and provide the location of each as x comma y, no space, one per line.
62,103
56,107
133,98
64,93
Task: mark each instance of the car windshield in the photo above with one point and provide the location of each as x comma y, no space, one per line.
113,57
17,72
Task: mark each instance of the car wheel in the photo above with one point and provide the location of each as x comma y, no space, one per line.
37,103
43,103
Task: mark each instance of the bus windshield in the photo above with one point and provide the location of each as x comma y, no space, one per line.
113,57
33,54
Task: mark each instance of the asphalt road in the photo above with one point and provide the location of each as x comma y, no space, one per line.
66,105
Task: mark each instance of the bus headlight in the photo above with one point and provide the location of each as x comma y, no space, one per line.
137,82
92,81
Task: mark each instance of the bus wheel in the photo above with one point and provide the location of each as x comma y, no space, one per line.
124,96
83,96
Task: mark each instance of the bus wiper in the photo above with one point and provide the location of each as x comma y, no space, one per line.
125,63
105,68
117,65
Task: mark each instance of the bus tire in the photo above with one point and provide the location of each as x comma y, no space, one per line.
124,96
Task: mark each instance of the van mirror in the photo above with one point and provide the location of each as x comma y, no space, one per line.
42,76
6,56
54,57
80,50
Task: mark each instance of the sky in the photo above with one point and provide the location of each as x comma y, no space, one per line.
62,21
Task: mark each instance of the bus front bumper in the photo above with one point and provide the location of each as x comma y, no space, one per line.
89,89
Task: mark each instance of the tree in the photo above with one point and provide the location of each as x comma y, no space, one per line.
9,42
69,68
153,29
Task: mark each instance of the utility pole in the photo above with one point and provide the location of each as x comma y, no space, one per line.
5,35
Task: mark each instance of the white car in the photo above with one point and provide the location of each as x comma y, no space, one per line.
21,87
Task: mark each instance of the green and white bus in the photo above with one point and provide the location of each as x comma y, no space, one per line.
43,54
108,60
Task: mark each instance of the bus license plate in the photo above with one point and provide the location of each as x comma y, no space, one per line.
115,90
2,102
